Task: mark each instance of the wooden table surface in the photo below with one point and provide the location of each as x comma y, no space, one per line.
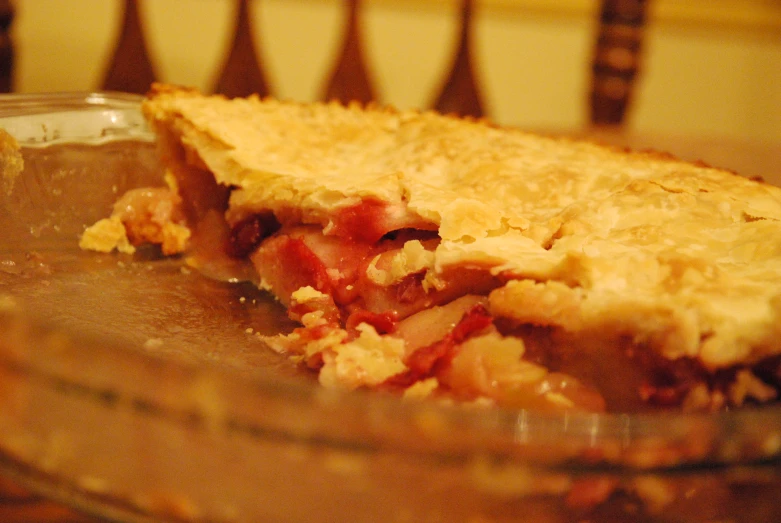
19,505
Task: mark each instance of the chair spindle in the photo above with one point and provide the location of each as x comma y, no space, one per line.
6,46
460,94
617,59
350,78
242,73
130,69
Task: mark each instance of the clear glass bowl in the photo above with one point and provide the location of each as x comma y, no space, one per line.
138,390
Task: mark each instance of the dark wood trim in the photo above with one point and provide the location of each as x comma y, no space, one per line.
130,69
350,80
6,46
460,93
617,59
242,71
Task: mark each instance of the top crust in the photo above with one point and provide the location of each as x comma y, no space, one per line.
683,257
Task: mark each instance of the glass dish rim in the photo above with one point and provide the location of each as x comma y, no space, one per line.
497,431
17,104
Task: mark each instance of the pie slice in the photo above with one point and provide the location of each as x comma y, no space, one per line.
449,258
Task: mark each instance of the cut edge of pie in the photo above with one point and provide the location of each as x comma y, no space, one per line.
451,258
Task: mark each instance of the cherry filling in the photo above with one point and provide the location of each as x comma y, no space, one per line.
334,260
364,222
372,219
285,264
246,235
433,359
351,266
383,323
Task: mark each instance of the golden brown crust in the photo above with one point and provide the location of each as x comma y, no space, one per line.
680,256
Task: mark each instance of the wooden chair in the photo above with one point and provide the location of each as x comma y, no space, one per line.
6,46
616,59
616,55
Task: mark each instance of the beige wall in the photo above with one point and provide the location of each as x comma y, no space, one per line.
717,75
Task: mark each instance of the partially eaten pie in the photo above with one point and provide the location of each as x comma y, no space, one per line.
448,258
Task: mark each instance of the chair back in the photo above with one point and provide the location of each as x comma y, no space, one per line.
616,59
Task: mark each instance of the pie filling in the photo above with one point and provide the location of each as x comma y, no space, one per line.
375,313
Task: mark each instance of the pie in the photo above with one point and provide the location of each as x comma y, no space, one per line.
447,258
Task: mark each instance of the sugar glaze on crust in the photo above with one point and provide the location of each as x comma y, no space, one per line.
574,251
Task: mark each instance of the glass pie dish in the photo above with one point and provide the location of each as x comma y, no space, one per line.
136,389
